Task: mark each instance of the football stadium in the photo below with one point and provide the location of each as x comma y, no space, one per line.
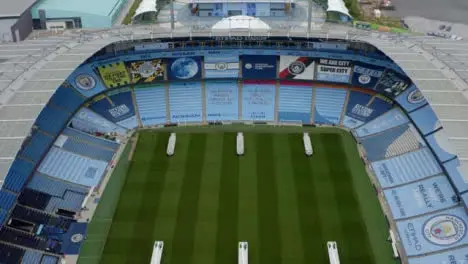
142,145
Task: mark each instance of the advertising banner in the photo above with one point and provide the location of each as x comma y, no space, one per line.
366,75
259,67
145,72
411,98
114,74
392,83
85,81
219,66
337,71
392,118
425,119
222,100
457,256
292,67
185,68
429,233
88,121
258,101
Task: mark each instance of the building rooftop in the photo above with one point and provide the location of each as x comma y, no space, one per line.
14,8
100,7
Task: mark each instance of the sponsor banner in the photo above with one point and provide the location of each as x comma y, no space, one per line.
85,81
116,106
425,119
393,83
90,122
149,71
441,145
454,171
392,118
441,231
259,67
456,256
420,197
411,99
114,74
366,75
338,71
221,66
258,102
185,68
292,67
222,100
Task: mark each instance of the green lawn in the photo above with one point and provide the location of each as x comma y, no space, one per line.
205,199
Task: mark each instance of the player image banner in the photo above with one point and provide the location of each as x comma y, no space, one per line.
185,68
292,67
392,83
219,66
145,72
366,75
337,71
114,74
259,67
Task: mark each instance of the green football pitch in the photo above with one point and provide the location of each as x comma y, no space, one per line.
205,199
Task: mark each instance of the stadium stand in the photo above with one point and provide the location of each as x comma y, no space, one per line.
67,98
35,146
185,101
90,140
392,118
258,101
51,120
357,110
328,105
80,147
392,142
117,107
151,104
18,174
10,254
90,122
222,100
6,203
295,102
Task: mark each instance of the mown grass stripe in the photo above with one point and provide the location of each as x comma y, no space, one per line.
308,203
183,242
228,203
348,207
292,251
268,226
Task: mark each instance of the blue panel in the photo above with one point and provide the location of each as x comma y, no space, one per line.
221,66
441,231
425,119
35,146
392,83
151,102
184,68
337,71
421,197
67,98
357,109
52,120
31,257
185,102
90,122
464,198
46,259
328,105
258,101
388,120
71,201
222,100
116,107
456,256
7,200
453,170
86,81
88,150
259,67
84,137
54,187
405,168
441,145
411,99
366,75
294,102
73,168
17,175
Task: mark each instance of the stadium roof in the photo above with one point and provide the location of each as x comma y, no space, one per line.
32,70
14,8
338,6
146,6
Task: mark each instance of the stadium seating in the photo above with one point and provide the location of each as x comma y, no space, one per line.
10,254
72,167
91,140
392,118
81,147
406,168
392,142
15,237
357,109
222,100
151,102
6,202
52,120
54,187
67,98
36,146
70,201
31,257
328,105
88,121
294,103
34,199
47,259
117,107
185,102
258,101
18,174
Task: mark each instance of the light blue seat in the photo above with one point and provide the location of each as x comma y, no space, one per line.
329,104
258,101
151,103
185,102
294,103
31,257
72,167
18,174
93,151
222,100
71,201
405,168
46,259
